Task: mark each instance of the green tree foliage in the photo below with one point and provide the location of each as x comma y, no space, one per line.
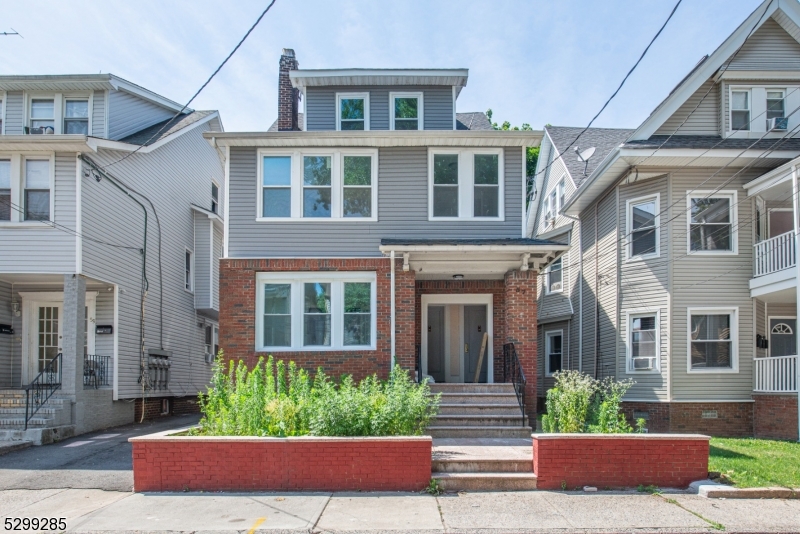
532,153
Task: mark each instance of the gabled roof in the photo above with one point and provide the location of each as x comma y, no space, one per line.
145,136
603,139
785,12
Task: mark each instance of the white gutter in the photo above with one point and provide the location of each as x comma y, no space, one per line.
511,249
391,258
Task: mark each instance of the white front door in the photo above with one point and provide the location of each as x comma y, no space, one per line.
45,335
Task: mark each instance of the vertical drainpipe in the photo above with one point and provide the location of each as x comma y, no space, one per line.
391,258
795,209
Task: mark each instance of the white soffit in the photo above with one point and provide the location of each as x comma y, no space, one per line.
397,77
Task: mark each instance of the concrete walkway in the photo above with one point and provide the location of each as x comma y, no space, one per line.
88,510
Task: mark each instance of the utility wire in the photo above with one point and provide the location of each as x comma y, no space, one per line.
170,122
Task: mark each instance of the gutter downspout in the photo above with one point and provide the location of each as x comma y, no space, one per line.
795,209
391,256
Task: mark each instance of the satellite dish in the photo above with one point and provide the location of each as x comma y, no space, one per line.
584,156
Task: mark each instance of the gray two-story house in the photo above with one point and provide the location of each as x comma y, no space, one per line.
682,273
379,227
111,227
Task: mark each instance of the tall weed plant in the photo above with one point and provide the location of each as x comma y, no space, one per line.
580,403
273,399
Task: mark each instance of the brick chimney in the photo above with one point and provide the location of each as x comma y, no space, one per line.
288,96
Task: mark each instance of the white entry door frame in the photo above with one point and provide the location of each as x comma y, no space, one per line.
474,299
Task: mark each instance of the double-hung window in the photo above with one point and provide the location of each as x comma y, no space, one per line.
643,342
2,114
313,184
36,195
740,110
26,188
555,277
316,311
42,119
76,116
776,108
554,349
712,339
561,189
466,184
352,111
5,190
643,223
406,111
712,222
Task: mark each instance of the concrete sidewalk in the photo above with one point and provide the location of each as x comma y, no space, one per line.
88,510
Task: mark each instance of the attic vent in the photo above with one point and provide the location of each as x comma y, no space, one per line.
709,414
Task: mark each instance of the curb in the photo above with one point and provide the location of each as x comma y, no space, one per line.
714,490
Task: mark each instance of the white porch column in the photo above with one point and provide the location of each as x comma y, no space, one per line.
796,212
72,329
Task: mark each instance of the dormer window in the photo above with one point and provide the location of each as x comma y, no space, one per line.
42,116
775,106
740,110
76,117
353,111
406,111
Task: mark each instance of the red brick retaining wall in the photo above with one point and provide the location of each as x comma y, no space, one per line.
237,315
189,463
618,461
775,417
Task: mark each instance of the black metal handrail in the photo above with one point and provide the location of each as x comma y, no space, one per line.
512,372
42,388
418,364
96,371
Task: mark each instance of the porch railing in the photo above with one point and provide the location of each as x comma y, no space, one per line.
96,371
774,254
777,374
512,372
42,388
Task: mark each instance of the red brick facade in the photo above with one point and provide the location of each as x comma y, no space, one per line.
288,96
775,417
722,419
612,461
153,407
280,464
238,315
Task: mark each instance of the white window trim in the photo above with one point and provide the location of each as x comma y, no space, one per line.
734,222
59,107
629,316
297,279
337,184
629,227
561,190
466,183
18,187
734,313
738,89
420,107
219,189
339,97
189,289
547,335
3,102
547,277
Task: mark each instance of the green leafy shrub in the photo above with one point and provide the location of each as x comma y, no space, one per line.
279,400
580,403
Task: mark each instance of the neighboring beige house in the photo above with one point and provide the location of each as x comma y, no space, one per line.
682,269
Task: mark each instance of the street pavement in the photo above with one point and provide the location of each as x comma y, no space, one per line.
87,480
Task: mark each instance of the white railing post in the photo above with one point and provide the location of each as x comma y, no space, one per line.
774,254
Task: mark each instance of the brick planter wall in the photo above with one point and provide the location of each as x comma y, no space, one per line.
619,460
775,417
192,463
237,295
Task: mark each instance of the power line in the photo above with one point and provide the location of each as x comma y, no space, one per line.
216,71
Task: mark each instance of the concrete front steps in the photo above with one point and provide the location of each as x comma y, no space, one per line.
478,411
51,423
483,474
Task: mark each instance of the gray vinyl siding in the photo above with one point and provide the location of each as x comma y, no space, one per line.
15,113
706,281
320,106
217,252
761,324
557,305
41,248
588,281
644,285
184,160
104,315
127,114
7,361
769,48
402,211
606,288
575,281
202,261
702,110
555,174
99,114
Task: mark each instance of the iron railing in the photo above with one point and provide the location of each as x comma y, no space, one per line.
418,364
96,371
513,373
39,391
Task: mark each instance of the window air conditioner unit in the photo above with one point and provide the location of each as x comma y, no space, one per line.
777,124
643,364
555,286
209,358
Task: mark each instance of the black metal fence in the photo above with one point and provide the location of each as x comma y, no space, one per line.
96,371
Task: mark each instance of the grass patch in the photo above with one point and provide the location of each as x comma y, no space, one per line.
751,463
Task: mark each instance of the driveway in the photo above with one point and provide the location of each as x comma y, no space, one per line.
98,460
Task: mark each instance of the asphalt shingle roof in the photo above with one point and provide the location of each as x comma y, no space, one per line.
603,139
145,136
467,241
709,141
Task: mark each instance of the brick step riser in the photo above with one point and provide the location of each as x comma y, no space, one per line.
471,388
465,398
482,466
479,421
479,432
486,483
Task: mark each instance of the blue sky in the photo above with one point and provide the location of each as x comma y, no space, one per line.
538,62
